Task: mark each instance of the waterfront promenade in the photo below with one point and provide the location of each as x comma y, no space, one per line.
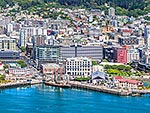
100,88
18,84
104,89
75,84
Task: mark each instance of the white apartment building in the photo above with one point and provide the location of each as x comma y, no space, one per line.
26,34
147,35
9,27
79,66
133,54
111,11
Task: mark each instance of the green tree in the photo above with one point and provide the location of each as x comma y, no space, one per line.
94,63
128,68
22,63
23,48
5,66
2,77
104,60
121,67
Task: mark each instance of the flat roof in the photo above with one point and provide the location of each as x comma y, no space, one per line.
111,63
53,65
13,64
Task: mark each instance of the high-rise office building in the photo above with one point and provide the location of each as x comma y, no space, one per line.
90,51
46,54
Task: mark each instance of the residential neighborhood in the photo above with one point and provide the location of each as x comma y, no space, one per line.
75,56
76,45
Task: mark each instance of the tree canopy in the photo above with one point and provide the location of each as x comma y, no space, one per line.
123,7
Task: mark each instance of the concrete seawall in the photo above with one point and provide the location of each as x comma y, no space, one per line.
10,85
100,89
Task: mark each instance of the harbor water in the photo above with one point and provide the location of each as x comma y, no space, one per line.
48,99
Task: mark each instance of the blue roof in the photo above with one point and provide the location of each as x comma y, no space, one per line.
99,74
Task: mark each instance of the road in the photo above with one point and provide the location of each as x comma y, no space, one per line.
30,64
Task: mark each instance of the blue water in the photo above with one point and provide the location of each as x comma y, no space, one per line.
47,99
146,83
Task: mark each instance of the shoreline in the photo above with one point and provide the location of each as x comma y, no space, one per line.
74,84
15,84
103,89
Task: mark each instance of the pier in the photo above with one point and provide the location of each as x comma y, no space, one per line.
141,91
74,84
57,85
18,84
104,89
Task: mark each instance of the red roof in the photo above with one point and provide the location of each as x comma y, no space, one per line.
126,30
132,81
121,79
118,77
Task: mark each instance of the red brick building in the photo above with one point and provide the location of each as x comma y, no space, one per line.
121,55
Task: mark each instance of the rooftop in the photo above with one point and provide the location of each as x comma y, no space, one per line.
78,59
52,65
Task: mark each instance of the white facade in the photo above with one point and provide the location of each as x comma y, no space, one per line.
25,34
1,66
148,40
19,71
147,35
141,41
111,11
133,54
22,38
79,66
98,68
9,27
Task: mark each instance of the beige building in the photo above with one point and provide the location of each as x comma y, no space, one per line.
52,69
8,44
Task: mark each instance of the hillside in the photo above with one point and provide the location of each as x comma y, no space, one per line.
128,7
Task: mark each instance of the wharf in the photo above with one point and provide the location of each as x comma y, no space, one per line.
141,92
9,85
104,89
57,85
17,84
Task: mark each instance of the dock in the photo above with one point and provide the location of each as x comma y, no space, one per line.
119,92
18,84
141,91
9,85
57,85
